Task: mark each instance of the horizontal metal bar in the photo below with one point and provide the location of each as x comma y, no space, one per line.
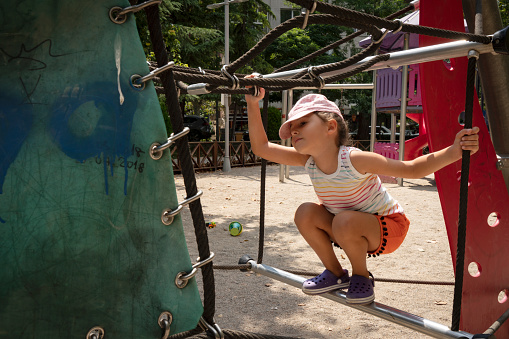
341,86
382,311
419,55
197,89
409,57
496,325
219,4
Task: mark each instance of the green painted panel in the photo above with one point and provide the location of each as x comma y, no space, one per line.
81,239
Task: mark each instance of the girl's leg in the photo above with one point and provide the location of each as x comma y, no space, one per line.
315,225
357,233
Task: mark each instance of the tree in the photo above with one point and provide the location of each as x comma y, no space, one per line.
249,22
194,36
504,11
298,43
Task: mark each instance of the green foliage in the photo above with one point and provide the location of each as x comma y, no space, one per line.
199,105
273,123
248,24
298,43
194,36
166,117
291,46
380,8
504,11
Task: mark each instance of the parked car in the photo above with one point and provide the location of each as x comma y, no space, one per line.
199,127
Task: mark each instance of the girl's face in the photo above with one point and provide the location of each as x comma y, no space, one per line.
309,134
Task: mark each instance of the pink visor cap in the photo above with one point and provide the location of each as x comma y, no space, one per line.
306,105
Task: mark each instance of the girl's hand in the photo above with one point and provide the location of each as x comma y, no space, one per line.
251,98
466,140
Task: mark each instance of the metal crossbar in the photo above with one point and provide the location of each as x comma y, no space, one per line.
403,318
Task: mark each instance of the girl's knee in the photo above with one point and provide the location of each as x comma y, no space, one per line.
345,224
312,215
305,212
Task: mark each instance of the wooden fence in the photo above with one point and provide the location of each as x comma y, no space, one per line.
210,155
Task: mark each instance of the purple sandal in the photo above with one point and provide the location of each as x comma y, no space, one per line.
361,290
325,282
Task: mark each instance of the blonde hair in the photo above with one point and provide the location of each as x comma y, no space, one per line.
343,138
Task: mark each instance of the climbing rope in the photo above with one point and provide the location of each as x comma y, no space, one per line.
195,207
247,267
239,335
263,177
462,219
465,169
340,42
348,14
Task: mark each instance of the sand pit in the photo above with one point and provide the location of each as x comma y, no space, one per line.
246,301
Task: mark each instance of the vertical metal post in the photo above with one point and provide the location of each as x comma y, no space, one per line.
226,164
373,115
394,121
284,116
402,113
218,127
494,73
289,141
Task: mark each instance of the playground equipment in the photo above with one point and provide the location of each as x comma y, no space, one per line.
81,197
92,243
394,83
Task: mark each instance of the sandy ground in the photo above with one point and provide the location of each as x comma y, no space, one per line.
251,302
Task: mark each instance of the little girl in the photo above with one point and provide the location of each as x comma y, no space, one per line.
355,210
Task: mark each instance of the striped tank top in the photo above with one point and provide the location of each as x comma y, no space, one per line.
347,189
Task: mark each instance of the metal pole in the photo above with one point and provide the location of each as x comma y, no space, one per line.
394,121
225,97
382,311
373,115
289,141
450,50
284,116
341,86
494,73
402,113
218,128
226,164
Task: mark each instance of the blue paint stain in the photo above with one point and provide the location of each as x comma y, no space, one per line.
111,137
16,120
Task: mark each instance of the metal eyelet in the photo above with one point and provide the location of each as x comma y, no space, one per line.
311,71
183,278
119,15
156,149
138,82
95,333
306,16
235,81
164,321
168,214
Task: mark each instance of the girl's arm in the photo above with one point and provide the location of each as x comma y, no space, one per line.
368,162
259,141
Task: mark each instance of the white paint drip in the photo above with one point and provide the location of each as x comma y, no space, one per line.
118,52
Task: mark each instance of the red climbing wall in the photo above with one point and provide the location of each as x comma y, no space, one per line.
443,86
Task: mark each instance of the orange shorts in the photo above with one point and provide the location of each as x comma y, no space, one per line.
393,230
